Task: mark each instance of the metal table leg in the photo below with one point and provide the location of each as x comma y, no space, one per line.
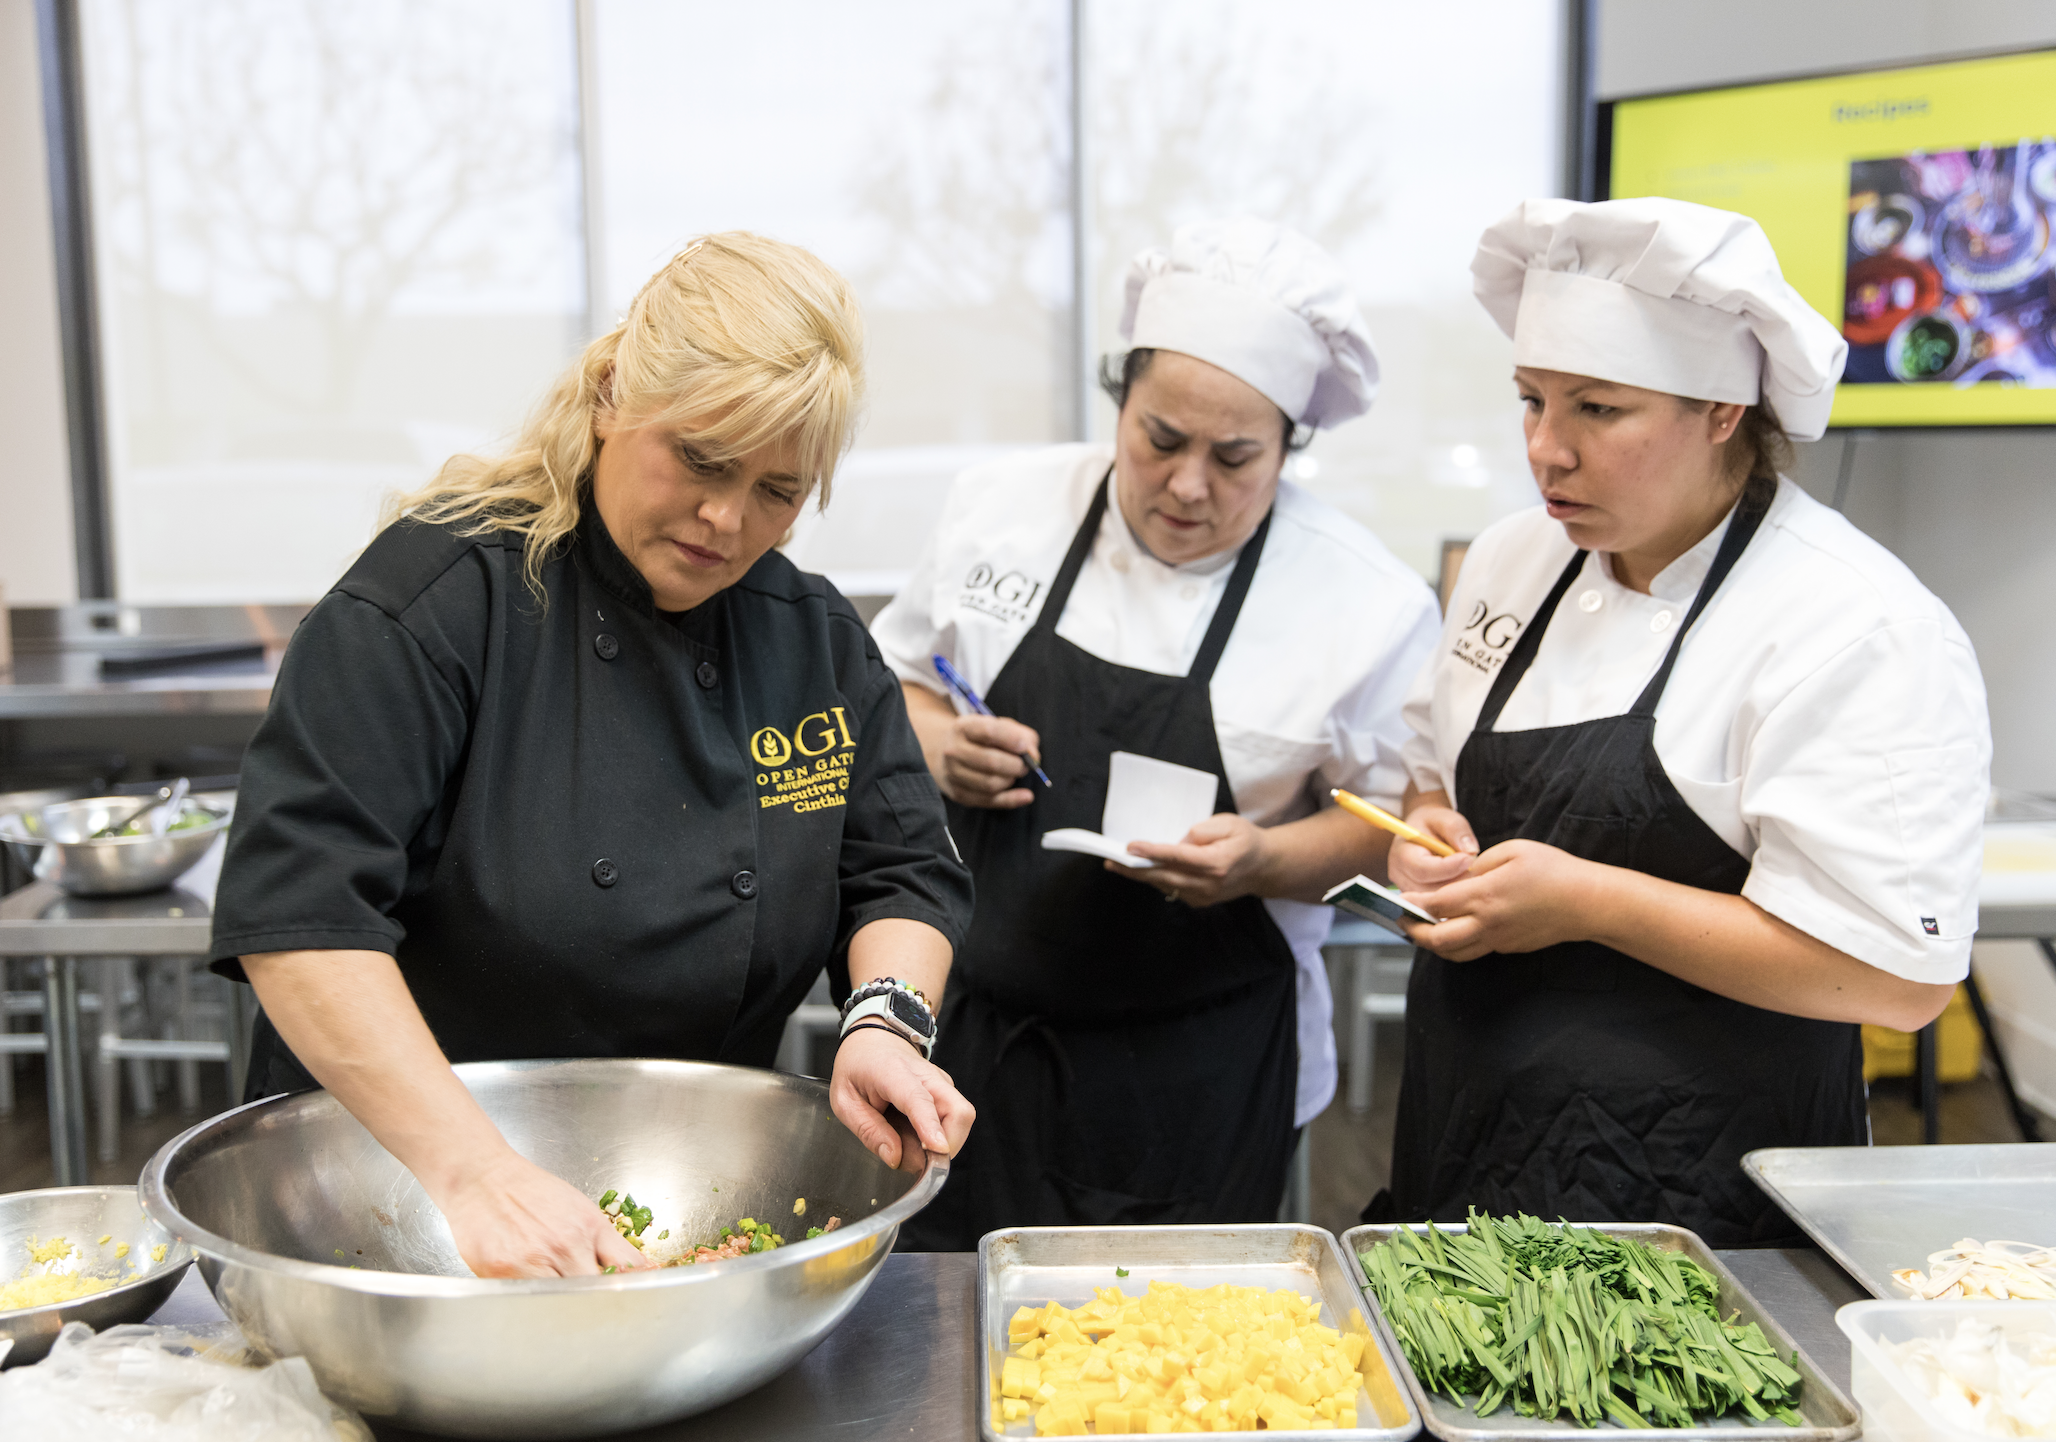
2030,1130
65,1070
242,1015
1924,1070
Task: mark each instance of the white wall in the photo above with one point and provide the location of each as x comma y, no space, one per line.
1973,513
36,562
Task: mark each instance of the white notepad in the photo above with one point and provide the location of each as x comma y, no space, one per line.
1147,800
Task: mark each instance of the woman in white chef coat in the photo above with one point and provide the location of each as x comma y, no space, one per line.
1141,1044
1715,761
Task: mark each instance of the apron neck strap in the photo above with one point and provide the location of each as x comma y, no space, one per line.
1225,614
1074,559
1740,531
1523,653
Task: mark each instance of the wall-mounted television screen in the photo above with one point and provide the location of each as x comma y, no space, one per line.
1914,206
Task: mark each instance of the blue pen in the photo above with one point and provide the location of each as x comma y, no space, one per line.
976,702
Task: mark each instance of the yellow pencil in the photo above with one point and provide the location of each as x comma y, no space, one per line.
1379,816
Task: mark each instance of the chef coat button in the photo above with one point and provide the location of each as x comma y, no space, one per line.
744,884
1189,593
607,647
1591,601
1120,562
708,675
605,872
1660,622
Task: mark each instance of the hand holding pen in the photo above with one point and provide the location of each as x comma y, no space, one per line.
977,706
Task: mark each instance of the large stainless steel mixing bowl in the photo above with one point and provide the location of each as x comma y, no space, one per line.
82,1216
317,1243
59,843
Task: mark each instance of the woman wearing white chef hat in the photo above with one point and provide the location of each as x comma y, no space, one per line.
1140,1044
1725,757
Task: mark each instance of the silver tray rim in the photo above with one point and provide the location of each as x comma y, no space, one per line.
1817,1383
1756,1163
1380,1335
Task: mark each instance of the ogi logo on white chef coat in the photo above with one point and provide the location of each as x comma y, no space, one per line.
808,766
1486,637
1004,595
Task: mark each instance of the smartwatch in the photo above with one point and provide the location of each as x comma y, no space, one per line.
894,1006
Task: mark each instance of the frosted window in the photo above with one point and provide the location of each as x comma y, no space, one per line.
922,148
1393,140
336,242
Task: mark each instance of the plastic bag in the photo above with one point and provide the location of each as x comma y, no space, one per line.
166,1384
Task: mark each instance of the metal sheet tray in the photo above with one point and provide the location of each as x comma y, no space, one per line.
1028,1266
1829,1414
1876,1209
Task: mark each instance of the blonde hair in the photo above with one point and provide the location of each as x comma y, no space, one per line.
739,341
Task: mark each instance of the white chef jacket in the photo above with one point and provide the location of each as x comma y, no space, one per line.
1826,717
1307,695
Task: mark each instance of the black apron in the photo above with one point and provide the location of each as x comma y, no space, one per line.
1575,1081
1132,1060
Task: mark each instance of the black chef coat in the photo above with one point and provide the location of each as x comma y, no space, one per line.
584,827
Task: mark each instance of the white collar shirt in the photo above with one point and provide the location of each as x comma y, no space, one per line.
1826,717
1307,695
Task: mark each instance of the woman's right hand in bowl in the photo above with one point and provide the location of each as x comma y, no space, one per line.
981,762
511,1218
1413,867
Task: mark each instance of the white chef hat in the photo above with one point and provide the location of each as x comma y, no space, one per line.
1266,305
1661,294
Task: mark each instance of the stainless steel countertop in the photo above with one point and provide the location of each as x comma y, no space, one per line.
904,1363
57,651
68,683
40,920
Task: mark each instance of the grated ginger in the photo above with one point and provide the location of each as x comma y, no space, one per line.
55,1250
42,1289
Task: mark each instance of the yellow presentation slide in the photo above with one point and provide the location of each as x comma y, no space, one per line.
1912,206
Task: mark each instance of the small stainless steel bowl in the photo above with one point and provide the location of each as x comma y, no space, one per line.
58,843
318,1243
82,1216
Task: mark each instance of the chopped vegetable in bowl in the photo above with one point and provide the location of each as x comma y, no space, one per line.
747,1236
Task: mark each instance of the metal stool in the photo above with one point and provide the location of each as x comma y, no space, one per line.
176,1025
1379,994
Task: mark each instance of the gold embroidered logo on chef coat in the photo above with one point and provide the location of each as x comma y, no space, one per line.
1486,637
1006,596
808,769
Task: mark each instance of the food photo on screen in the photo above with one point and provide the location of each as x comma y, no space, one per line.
1949,275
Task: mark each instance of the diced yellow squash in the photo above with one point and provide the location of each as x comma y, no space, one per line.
1019,1377
1110,1417
1024,1326
1353,1347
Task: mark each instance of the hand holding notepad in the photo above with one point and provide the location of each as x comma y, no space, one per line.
1147,800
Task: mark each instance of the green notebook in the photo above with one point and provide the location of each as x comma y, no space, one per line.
1361,896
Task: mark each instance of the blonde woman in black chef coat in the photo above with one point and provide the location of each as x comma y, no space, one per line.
573,764
1715,761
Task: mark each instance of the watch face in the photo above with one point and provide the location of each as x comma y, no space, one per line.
911,1012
